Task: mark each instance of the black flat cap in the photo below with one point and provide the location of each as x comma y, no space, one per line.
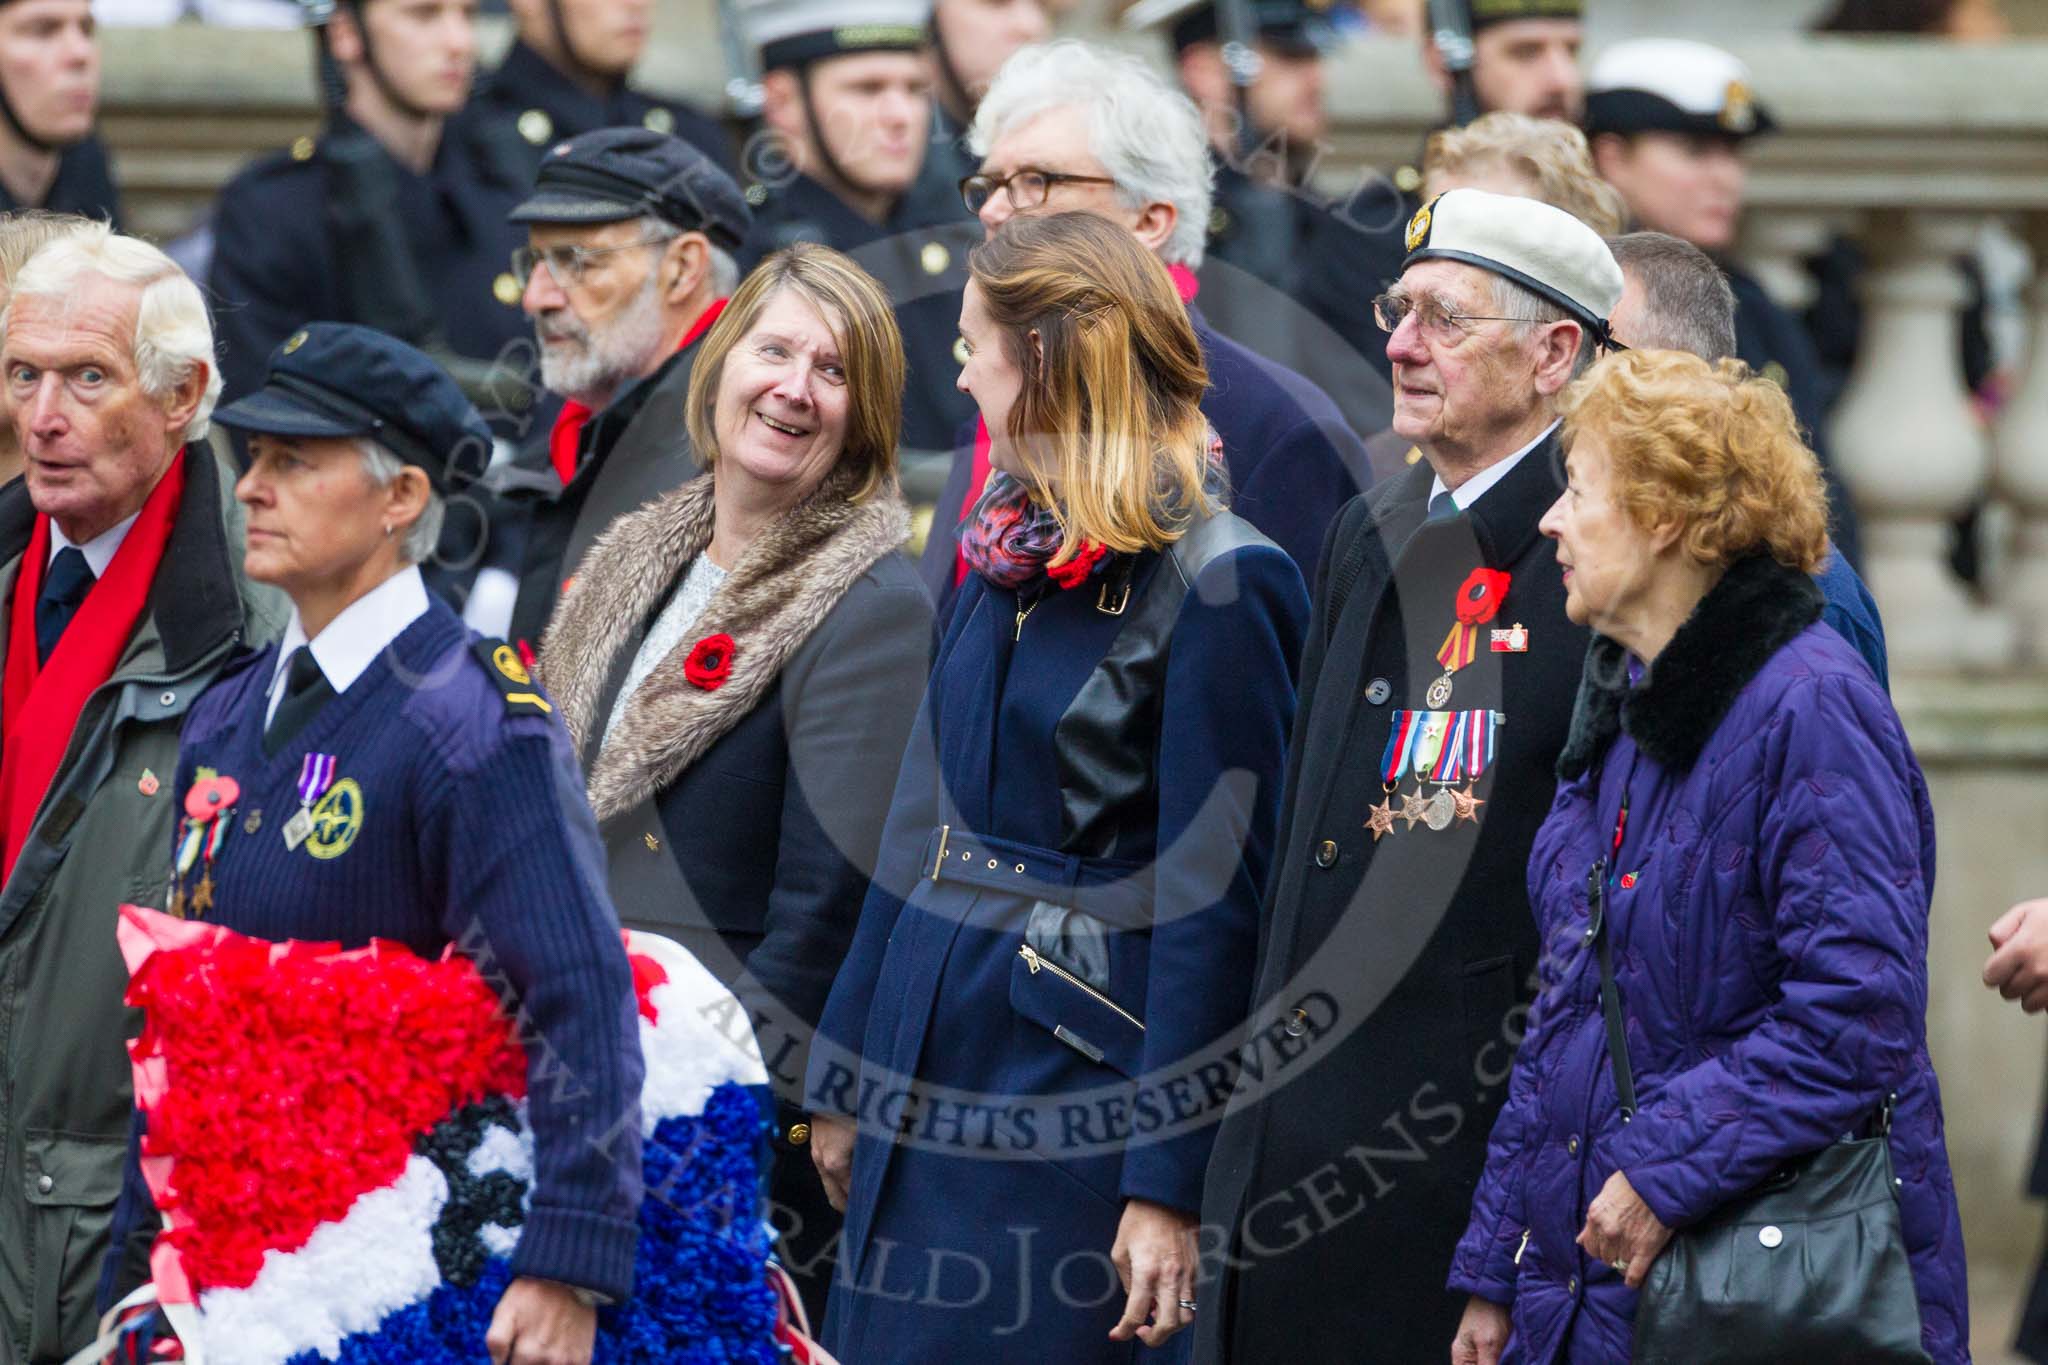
613,174
339,379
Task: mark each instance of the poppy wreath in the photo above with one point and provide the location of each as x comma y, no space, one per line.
709,662
356,1195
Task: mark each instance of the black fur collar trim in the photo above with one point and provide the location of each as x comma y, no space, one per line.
1754,611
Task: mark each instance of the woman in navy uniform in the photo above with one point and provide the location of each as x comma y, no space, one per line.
386,775
1064,910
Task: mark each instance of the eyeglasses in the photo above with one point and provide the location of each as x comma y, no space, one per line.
1028,186
567,264
1444,326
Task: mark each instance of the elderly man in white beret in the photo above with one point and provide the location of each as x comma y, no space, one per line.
1398,952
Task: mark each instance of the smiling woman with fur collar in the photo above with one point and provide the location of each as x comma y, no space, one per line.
739,662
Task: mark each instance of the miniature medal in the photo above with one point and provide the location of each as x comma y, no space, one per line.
1477,602
316,775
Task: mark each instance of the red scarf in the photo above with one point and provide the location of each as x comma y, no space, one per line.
40,703
566,440
1184,283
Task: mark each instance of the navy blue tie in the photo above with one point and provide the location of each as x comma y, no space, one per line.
69,579
306,690
1443,507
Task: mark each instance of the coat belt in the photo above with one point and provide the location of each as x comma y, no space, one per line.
1117,891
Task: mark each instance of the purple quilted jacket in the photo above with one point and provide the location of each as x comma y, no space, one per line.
1770,936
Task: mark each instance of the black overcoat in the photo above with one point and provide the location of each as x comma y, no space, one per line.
1392,971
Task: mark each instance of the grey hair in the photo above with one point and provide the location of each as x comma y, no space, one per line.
725,271
1688,304
1147,135
1532,310
423,535
172,330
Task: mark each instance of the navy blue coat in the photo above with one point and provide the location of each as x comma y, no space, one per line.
1293,459
1069,769
276,267
544,107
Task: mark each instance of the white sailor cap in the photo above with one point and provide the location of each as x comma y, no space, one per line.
1673,85
1541,248
798,32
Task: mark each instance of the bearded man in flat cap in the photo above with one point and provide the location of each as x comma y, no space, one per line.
1397,952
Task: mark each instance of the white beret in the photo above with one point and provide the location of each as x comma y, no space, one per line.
794,32
1541,248
1673,85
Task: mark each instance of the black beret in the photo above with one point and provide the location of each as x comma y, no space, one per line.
613,174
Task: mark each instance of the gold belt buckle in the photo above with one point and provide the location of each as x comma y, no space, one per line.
945,832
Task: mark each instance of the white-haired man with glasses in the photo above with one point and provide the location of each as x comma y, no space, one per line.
630,235
1397,944
1067,126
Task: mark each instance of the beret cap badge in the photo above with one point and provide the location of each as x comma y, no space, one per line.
296,340
1418,227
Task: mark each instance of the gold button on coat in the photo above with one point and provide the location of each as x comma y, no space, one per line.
934,258
799,1134
658,120
506,289
302,149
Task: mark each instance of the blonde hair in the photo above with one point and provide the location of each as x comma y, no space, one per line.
857,310
1549,156
1115,397
1712,445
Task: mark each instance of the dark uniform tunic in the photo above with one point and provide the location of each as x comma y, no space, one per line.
286,247
1354,251
1108,784
84,184
456,816
1352,1162
920,257
532,96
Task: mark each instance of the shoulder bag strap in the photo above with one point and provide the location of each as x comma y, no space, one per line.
1610,994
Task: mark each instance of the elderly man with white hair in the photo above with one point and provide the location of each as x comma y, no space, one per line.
1066,126
120,570
1397,949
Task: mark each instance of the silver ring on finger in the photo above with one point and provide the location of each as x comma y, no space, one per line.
1620,1267
1188,1304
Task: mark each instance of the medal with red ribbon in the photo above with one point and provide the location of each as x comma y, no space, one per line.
208,807
1478,602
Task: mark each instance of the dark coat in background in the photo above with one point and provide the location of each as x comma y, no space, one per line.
742,823
544,106
1390,969
295,242
1768,907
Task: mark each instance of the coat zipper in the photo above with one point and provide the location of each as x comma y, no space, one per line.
1035,963
1523,1247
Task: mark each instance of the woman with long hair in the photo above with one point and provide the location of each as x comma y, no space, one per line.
1065,904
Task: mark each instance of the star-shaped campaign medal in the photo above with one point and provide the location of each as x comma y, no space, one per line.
1380,819
1414,808
1467,804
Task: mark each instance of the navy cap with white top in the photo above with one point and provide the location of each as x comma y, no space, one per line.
795,33
1673,85
339,379
1543,249
1294,27
613,174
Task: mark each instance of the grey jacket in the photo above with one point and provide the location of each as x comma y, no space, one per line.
102,836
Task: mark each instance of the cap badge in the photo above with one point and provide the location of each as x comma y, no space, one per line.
1418,227
934,258
659,120
297,340
1738,108
536,127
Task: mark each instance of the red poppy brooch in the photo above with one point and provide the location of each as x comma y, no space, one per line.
710,662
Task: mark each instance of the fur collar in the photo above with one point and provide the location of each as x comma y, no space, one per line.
789,579
1754,611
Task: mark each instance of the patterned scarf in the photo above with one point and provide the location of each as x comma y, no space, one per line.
1009,537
